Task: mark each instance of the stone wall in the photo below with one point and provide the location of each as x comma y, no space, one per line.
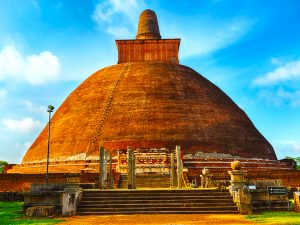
22,182
11,196
215,161
290,178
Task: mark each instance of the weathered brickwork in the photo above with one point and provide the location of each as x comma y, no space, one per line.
165,50
156,105
22,182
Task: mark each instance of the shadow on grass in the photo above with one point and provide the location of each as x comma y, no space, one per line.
10,213
279,218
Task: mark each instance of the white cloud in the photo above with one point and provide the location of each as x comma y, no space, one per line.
24,125
287,148
30,106
200,36
34,69
278,87
203,36
23,146
276,61
293,97
3,93
118,16
105,11
284,72
280,97
119,32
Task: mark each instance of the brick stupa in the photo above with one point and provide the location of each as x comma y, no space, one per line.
147,100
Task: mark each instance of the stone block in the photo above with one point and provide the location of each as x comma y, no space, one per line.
70,200
50,187
40,211
242,198
73,178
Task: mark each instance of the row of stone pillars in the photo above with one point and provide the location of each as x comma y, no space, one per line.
131,169
105,177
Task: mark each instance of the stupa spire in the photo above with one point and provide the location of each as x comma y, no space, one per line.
148,45
148,26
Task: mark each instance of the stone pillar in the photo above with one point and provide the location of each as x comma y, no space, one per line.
101,167
237,180
297,201
238,189
129,166
111,179
205,178
172,171
105,169
242,198
70,199
179,167
118,162
133,172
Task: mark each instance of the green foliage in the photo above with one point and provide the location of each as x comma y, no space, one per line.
296,159
2,164
10,214
279,218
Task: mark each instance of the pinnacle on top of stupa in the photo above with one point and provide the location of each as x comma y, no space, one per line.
148,26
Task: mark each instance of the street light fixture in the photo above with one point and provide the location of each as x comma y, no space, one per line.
50,110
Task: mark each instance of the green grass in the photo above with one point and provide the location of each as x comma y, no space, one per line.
278,218
10,213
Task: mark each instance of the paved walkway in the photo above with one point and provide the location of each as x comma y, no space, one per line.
161,219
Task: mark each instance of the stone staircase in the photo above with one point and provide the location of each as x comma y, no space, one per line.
147,181
167,201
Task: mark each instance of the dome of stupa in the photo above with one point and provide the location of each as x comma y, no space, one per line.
149,100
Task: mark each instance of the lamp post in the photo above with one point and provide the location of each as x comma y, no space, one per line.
50,110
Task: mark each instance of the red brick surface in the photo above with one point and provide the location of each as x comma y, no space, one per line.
155,105
22,182
165,50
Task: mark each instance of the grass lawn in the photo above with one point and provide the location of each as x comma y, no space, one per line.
10,213
278,218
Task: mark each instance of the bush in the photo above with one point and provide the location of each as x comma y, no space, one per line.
2,165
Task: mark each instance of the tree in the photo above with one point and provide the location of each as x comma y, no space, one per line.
296,159
2,165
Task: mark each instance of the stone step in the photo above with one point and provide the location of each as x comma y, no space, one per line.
105,202
158,208
159,212
155,197
157,201
157,191
157,194
162,204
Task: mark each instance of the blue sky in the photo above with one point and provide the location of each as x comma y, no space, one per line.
250,49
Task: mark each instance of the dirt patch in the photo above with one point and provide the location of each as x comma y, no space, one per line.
178,219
